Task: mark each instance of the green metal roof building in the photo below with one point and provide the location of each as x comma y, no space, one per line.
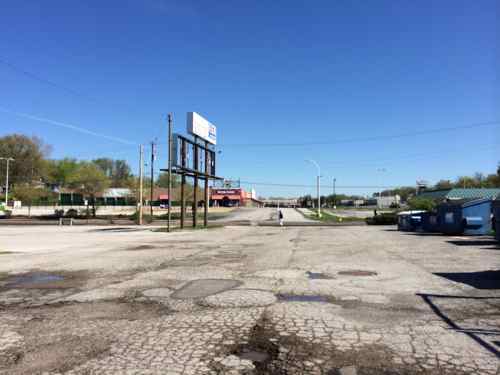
457,193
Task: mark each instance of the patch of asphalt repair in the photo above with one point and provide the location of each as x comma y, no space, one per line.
204,288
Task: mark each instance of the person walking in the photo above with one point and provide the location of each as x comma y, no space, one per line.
280,216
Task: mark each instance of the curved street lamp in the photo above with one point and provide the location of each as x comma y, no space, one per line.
317,184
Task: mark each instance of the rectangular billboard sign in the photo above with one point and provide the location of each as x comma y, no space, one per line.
199,126
226,191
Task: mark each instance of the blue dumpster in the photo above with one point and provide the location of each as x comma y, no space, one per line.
471,217
496,218
410,221
430,222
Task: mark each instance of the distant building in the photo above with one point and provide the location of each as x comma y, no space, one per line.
281,202
359,202
109,197
388,201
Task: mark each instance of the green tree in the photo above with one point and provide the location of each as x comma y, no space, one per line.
118,171
162,180
29,194
61,172
89,180
121,173
29,154
106,165
467,182
418,203
443,184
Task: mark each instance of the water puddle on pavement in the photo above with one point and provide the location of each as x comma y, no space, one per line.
254,355
357,273
318,276
32,278
142,247
305,298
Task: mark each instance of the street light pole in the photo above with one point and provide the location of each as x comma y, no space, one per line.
7,179
317,184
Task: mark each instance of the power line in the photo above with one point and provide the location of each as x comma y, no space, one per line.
68,126
48,82
314,186
366,139
410,157
44,80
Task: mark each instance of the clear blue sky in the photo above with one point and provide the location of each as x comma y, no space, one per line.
263,72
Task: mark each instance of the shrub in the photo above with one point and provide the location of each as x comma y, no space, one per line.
145,218
72,213
417,203
386,218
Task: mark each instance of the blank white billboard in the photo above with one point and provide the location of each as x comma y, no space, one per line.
199,126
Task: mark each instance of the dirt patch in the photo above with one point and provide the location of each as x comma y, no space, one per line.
59,356
61,336
102,311
357,273
43,280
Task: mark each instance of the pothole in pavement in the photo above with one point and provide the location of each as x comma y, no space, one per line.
319,276
117,229
204,287
269,352
357,273
43,280
194,262
305,298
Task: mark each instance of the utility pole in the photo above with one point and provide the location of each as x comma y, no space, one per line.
8,159
153,157
169,213
141,174
334,195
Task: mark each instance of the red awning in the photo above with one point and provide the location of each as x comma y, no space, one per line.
163,197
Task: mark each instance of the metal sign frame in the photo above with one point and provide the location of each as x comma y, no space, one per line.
202,166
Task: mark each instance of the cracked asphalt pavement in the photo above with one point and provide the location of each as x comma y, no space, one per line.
247,300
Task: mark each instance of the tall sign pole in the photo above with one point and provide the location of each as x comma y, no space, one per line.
182,164
207,162
141,173
195,191
183,183
152,178
169,171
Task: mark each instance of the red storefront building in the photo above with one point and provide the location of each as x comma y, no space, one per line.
236,197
